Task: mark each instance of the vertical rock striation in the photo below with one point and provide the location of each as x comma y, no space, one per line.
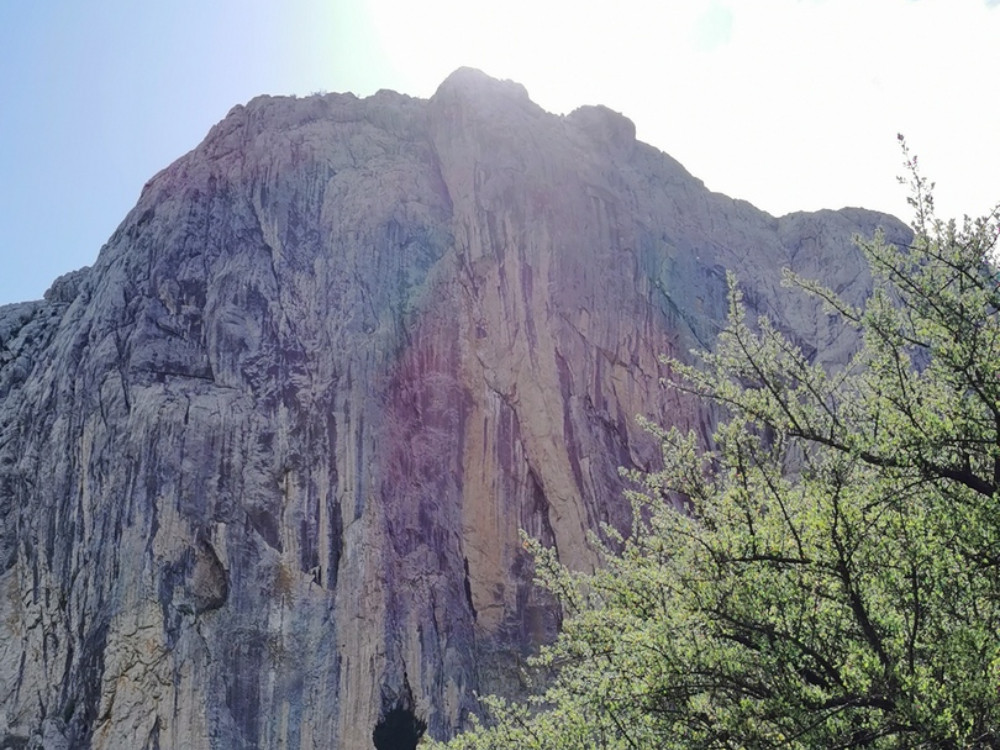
263,466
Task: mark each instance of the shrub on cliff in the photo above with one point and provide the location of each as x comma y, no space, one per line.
834,577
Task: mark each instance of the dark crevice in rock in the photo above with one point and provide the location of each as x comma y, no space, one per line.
398,727
153,741
83,694
468,589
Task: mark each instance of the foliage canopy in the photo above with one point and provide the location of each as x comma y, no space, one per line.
834,580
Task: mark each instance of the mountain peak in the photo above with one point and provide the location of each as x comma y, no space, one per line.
472,82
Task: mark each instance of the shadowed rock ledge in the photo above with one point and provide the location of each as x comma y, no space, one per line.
262,466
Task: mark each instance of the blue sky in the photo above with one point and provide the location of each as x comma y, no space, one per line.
790,104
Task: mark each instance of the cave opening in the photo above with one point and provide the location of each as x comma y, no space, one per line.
399,729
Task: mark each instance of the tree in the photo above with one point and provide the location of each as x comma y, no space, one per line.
833,578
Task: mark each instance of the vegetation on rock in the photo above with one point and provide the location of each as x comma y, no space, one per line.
827,574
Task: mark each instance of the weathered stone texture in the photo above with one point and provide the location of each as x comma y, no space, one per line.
263,466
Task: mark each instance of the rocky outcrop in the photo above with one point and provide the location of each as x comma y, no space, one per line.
263,466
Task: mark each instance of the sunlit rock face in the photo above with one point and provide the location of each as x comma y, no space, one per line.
263,466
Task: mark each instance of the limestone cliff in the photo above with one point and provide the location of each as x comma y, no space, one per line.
262,467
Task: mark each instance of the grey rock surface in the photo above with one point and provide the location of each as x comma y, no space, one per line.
263,465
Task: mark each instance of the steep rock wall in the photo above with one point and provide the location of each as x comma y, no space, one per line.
263,466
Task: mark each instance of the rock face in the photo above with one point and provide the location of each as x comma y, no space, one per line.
263,466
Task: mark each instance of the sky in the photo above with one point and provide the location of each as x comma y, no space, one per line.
789,104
